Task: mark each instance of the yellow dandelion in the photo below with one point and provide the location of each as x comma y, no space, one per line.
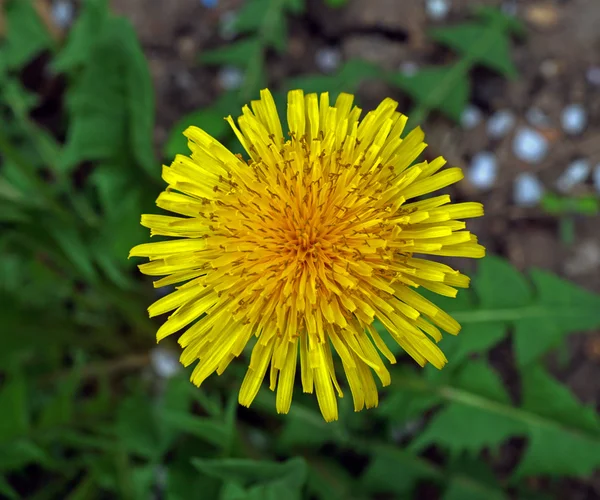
305,245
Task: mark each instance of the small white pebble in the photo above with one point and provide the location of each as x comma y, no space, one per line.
409,68
471,117
227,25
164,362
483,170
230,77
576,173
596,177
537,118
437,9
574,119
500,124
593,75
328,59
63,12
529,145
528,190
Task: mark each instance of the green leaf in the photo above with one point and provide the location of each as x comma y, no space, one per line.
183,477
563,435
26,34
461,427
541,315
257,480
138,429
112,104
393,470
500,285
21,452
571,446
347,79
236,54
329,480
211,120
494,16
60,409
484,44
460,490
445,88
208,430
82,36
14,417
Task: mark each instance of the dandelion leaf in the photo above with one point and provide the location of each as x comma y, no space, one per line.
487,45
444,88
111,105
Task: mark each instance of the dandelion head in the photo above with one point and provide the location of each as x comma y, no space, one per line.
299,249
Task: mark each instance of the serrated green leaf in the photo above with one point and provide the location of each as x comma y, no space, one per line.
251,16
484,44
401,406
569,447
499,284
472,339
236,54
445,88
478,414
541,318
494,16
268,480
82,36
462,427
112,104
26,35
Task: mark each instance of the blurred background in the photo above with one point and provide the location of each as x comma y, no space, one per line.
94,96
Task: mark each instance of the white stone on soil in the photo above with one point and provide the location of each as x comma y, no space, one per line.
576,173
437,9
63,12
483,170
164,362
528,190
500,124
529,145
574,119
230,77
328,59
471,117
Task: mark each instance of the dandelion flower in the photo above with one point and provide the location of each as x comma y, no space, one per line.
305,245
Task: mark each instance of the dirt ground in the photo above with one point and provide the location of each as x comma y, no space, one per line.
556,62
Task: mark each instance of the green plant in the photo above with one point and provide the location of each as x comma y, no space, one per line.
86,412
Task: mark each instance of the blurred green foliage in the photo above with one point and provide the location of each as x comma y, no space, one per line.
86,412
